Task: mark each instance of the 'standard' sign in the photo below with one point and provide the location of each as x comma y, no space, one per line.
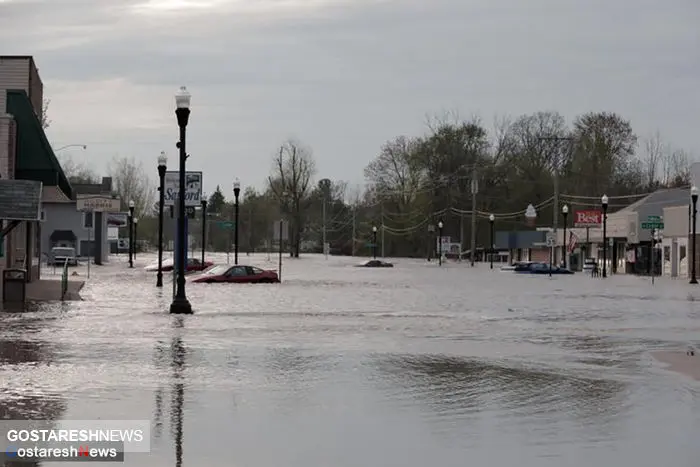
193,188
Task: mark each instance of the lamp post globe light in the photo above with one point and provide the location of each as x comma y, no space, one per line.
565,214
694,199
236,207
374,242
492,220
180,304
131,233
162,167
440,224
604,204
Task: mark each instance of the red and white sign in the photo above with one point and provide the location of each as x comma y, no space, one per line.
588,218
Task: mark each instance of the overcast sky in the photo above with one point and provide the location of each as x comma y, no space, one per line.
344,76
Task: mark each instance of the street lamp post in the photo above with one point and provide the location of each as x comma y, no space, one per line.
180,304
565,214
492,220
131,234
136,229
71,146
604,203
440,243
694,198
162,167
204,226
236,194
374,242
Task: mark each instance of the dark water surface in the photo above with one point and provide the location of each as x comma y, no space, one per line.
342,366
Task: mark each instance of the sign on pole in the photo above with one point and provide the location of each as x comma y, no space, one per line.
280,228
653,222
193,188
551,240
117,219
97,203
588,218
226,225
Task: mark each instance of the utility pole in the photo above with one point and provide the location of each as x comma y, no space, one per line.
323,201
354,213
555,182
475,190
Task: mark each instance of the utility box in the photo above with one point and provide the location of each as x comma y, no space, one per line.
14,285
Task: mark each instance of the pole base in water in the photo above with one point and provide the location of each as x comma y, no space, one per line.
181,306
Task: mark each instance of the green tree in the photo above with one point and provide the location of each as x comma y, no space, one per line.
216,201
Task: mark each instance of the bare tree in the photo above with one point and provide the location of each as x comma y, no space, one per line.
290,182
132,184
676,168
45,122
78,172
653,158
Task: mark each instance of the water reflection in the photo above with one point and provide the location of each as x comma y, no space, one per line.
19,356
178,354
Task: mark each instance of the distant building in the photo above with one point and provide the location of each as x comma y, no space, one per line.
64,225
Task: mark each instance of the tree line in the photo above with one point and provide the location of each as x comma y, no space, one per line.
413,182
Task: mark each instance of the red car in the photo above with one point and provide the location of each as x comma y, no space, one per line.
193,264
238,274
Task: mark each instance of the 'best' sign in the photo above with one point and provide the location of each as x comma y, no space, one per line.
588,218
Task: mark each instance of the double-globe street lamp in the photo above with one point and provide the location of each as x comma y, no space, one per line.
374,242
131,233
440,224
162,167
236,207
565,214
604,204
694,199
180,304
492,220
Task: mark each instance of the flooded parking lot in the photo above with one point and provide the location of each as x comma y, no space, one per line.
343,366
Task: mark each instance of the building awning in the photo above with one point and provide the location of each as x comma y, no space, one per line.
63,236
35,157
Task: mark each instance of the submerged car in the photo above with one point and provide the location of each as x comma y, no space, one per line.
193,264
544,268
238,274
523,266
375,263
516,265
60,254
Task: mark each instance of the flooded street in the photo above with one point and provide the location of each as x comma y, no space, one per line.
342,366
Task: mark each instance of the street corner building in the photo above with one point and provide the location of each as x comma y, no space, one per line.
27,155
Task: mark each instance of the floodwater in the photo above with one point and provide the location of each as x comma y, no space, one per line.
341,366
